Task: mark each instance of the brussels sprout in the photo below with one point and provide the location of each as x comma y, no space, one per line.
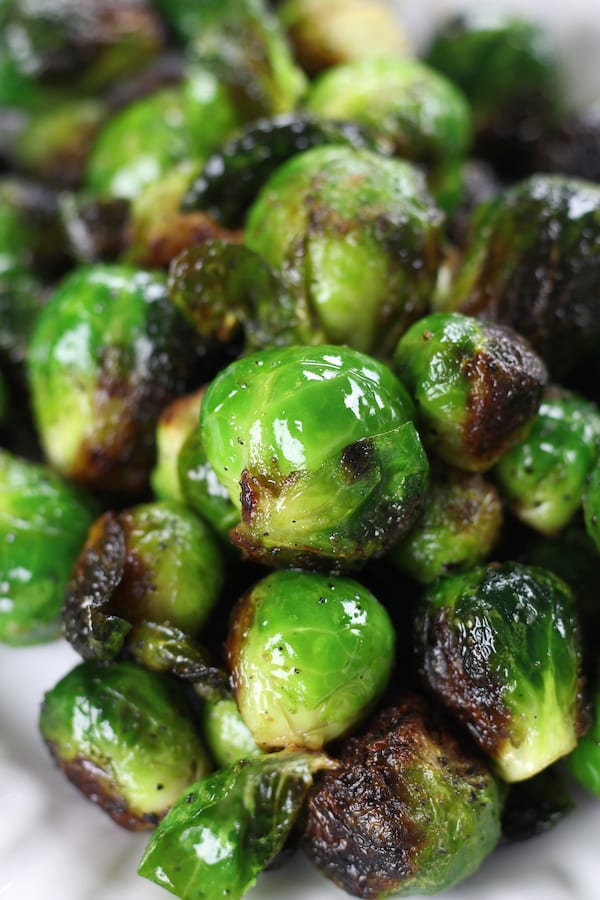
107,353
244,44
146,138
232,177
43,524
228,826
309,655
226,734
543,477
532,262
510,71
421,115
95,42
410,809
460,524
125,737
328,34
591,507
583,763
177,420
155,562
224,290
356,240
500,647
477,386
321,443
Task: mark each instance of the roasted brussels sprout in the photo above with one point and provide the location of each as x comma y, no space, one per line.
356,240
414,110
43,525
544,476
460,524
177,420
500,646
154,562
228,826
510,71
583,763
591,506
145,139
226,734
108,351
532,263
125,737
410,809
309,655
323,35
477,386
318,452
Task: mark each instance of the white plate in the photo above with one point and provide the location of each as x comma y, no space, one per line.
56,846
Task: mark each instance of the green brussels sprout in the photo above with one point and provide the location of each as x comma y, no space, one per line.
245,45
410,809
477,386
356,240
145,139
532,262
317,451
44,521
323,35
108,351
583,763
309,656
591,506
202,491
460,524
228,826
543,477
125,737
510,71
95,42
226,734
177,420
418,113
500,647
154,562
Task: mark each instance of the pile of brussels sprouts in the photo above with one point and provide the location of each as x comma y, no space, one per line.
300,426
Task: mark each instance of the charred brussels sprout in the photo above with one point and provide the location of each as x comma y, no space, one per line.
510,72
106,355
410,809
584,761
328,34
318,452
309,655
227,827
177,421
460,524
357,242
155,562
532,263
477,386
145,139
226,734
125,737
591,507
500,647
43,525
414,110
543,478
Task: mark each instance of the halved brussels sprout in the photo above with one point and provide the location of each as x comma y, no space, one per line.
477,386
544,476
317,451
125,737
309,656
410,809
44,521
356,239
107,353
500,647
532,262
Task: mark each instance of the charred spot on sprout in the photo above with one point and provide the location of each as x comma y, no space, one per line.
357,459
